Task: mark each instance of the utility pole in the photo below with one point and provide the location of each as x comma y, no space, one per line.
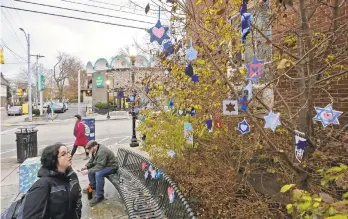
30,110
38,92
79,92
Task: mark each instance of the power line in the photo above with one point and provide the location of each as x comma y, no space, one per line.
121,6
76,18
111,9
87,12
12,28
12,50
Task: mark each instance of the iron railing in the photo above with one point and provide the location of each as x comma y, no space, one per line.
158,188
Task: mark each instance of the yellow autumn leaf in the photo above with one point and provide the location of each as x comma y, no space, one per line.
198,2
200,61
282,64
286,188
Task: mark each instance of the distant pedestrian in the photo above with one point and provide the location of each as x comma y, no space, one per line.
48,113
57,194
52,109
81,137
103,162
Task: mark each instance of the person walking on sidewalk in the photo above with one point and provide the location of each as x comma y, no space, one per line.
102,163
57,194
48,113
81,138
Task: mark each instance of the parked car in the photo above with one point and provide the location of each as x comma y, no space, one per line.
59,107
14,110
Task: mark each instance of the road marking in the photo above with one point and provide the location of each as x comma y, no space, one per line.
69,144
10,130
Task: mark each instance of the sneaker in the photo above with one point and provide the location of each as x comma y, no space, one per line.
86,158
95,201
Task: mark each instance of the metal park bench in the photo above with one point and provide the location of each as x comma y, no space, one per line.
148,197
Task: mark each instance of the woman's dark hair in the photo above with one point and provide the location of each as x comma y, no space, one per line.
49,157
78,117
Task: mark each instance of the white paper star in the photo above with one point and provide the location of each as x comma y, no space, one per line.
249,88
272,120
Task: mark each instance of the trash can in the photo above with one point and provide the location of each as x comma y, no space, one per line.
26,139
90,122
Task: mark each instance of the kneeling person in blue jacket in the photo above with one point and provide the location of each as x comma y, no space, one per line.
103,162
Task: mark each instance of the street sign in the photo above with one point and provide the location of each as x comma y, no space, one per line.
99,80
41,82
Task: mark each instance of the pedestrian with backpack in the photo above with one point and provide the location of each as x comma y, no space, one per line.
57,192
81,132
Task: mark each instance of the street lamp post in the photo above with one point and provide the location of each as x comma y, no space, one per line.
107,97
30,110
134,140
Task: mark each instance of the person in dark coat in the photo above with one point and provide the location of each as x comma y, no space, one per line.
80,136
48,113
57,194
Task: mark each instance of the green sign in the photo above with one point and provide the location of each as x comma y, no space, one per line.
41,82
99,80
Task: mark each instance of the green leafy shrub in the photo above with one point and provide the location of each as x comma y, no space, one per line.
101,105
36,112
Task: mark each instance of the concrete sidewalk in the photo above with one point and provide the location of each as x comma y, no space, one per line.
113,207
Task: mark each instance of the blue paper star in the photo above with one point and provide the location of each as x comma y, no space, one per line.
327,115
171,104
209,124
244,103
244,127
158,33
168,48
195,78
246,20
272,120
189,70
193,111
255,69
191,54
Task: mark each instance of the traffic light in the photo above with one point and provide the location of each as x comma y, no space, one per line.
41,82
2,60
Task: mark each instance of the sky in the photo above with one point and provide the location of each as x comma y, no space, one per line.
86,40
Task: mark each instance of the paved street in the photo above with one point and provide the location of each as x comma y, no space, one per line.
107,132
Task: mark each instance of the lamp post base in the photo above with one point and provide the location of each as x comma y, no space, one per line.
134,142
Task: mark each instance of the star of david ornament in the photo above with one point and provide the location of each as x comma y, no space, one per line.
327,115
272,120
195,78
209,124
171,104
158,33
300,147
193,111
191,54
249,90
230,107
158,174
244,127
255,69
244,103
218,123
189,70
168,48
171,153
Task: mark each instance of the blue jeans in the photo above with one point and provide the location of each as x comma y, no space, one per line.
97,181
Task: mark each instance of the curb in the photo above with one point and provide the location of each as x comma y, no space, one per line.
56,122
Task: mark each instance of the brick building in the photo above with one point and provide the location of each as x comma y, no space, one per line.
324,20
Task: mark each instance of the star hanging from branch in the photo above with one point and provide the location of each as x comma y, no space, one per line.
255,69
158,33
327,115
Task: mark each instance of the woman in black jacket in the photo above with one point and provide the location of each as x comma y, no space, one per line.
57,194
